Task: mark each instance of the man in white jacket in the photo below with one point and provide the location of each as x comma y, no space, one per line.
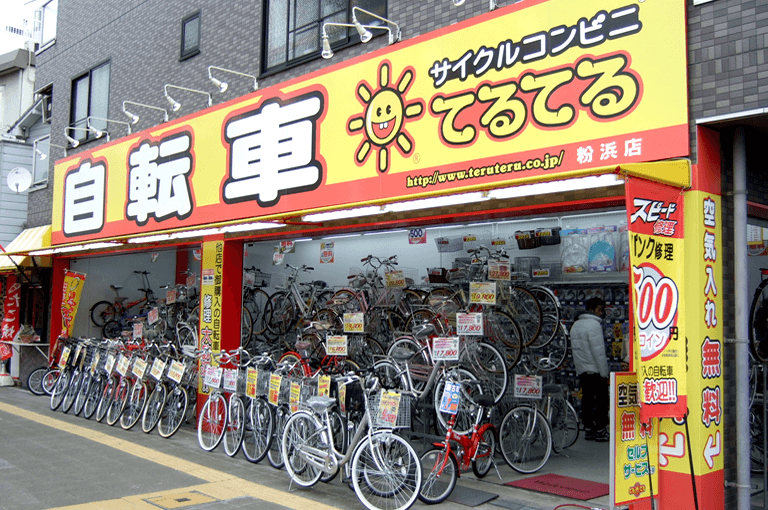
588,346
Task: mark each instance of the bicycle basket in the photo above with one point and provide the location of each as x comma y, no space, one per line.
387,419
354,400
262,382
284,396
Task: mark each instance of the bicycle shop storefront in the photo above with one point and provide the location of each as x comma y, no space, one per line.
444,150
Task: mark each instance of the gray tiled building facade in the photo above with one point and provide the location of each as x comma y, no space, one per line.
727,75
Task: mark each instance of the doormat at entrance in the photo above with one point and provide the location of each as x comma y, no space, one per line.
470,497
563,486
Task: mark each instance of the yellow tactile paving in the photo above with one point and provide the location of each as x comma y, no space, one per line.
221,485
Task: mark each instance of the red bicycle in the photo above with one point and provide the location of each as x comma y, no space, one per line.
440,465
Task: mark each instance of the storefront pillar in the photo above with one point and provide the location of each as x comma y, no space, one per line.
220,300
57,297
182,260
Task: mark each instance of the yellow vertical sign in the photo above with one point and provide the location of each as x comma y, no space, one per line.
210,301
73,289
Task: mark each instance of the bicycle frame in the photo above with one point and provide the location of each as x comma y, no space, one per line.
469,444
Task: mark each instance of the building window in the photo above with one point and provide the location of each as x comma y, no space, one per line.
46,95
44,29
294,27
90,98
40,161
190,36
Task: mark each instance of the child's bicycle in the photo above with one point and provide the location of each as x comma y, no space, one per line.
441,465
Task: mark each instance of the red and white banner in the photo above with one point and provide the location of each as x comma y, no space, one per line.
12,308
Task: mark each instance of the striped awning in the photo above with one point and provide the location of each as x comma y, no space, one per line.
29,240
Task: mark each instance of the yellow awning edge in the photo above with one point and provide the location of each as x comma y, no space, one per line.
30,239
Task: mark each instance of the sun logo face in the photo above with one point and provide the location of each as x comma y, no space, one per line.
386,112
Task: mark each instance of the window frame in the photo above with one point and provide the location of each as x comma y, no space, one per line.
36,182
351,39
77,134
188,53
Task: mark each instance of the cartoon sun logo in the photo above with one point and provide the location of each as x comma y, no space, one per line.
385,115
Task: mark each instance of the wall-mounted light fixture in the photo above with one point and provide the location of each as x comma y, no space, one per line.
135,118
393,36
98,133
72,141
458,2
222,85
175,105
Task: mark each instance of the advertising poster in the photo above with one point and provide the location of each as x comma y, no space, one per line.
417,236
656,240
210,301
11,311
326,253
73,289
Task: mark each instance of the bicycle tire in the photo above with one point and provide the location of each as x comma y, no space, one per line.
134,408
103,312
174,411
246,327
256,304
119,402
365,351
92,398
445,302
49,380
82,393
233,434
488,366
438,480
558,424
503,332
71,394
112,329
35,381
186,336
329,320
760,352
552,355
525,439
282,314
258,431
411,300
212,422
60,388
419,364
550,315
386,472
153,410
302,430
464,417
523,306
483,460
275,452
572,425
105,399
345,301
426,316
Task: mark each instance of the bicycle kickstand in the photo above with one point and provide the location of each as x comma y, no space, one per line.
496,468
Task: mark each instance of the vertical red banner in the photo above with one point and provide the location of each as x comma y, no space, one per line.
12,308
656,239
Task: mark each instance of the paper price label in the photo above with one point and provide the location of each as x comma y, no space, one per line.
395,279
170,296
469,324
540,273
482,293
354,323
449,402
191,280
139,367
498,270
295,394
336,345
274,388
94,362
249,279
110,364
158,366
78,350
498,242
343,398
64,357
522,235
389,405
445,348
122,365
528,386
324,386
251,377
213,376
138,329
153,316
176,371
230,379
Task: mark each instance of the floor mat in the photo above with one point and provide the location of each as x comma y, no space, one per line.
563,486
470,497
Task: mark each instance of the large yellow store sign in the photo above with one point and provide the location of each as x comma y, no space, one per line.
535,91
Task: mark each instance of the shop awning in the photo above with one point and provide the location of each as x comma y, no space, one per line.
28,240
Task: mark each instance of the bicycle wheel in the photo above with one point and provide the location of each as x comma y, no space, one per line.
256,303
134,408
339,429
525,439
258,431
282,313
550,315
154,408
174,411
329,320
60,388
233,435
212,422
440,472
246,327
186,336
297,367
425,316
525,309
488,366
571,425
103,312
275,453
383,324
552,355
502,332
49,380
82,393
418,361
35,381
345,301
411,300
445,302
758,323
386,472
71,394
558,425
95,390
105,399
483,460
112,329
302,431
119,402
756,448
365,351
465,415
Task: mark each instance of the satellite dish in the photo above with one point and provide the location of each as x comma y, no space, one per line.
19,179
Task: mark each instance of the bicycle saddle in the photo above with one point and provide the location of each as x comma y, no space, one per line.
483,400
321,404
401,354
116,287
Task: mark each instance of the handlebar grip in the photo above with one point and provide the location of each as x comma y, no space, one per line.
309,268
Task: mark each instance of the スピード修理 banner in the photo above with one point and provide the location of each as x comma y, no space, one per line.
656,239
73,289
